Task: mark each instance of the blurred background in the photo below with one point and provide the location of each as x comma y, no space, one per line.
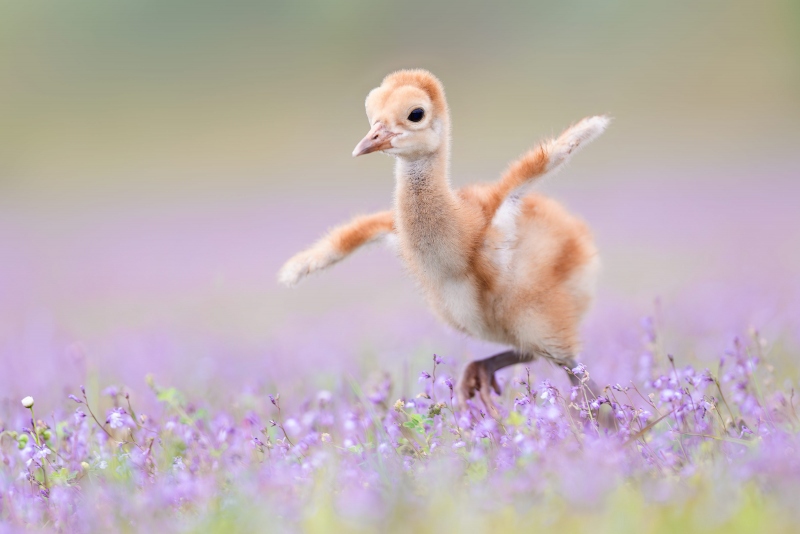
159,161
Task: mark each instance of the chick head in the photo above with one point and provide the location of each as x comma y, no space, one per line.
408,116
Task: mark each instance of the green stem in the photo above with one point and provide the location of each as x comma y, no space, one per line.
35,430
38,444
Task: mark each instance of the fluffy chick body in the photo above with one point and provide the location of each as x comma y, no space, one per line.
497,260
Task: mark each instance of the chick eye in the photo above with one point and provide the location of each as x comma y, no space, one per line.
416,115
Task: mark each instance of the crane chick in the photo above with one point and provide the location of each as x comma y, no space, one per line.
497,261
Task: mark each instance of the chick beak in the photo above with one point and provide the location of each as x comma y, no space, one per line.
378,138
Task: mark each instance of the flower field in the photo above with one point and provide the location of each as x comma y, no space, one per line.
345,421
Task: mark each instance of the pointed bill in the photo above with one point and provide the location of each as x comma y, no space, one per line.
378,138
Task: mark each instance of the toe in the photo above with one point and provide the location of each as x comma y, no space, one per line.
495,385
469,383
476,379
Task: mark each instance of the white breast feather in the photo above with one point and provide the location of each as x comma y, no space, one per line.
505,222
460,304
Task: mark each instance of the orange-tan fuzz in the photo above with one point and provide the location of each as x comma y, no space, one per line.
497,260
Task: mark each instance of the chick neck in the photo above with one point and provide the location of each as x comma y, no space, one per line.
428,217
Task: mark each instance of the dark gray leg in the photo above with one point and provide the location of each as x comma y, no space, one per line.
478,377
570,363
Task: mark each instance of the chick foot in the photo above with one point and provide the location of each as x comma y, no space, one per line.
479,378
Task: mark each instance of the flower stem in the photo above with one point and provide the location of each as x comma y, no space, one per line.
39,444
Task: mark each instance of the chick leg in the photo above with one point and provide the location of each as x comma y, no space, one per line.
590,384
336,245
479,375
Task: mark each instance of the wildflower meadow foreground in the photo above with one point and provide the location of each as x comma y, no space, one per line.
710,448
345,421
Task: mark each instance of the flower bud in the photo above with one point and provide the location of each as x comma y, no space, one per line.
27,402
84,466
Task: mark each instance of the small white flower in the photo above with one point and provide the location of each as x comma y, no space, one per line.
177,464
27,402
115,419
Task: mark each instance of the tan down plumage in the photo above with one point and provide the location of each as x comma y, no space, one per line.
495,260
